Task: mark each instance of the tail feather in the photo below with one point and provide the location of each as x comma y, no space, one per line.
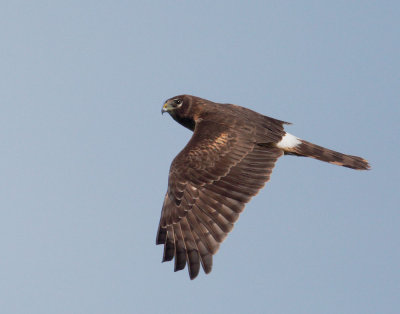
295,146
308,149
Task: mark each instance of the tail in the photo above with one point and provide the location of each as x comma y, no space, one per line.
295,146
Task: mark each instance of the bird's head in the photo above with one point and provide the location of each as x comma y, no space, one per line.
181,110
173,105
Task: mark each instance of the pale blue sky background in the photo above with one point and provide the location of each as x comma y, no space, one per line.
85,154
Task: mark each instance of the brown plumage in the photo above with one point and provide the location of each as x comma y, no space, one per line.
227,161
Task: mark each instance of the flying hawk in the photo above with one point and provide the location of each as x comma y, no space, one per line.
226,162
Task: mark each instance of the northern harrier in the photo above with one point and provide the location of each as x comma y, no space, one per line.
226,162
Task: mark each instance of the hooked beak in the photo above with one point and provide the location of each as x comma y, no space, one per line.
165,108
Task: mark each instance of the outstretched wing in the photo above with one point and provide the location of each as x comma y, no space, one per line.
210,182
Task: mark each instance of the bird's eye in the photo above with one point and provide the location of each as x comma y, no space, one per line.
178,101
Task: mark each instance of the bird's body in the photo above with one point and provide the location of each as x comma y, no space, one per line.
226,162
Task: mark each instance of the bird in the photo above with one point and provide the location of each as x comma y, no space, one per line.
227,161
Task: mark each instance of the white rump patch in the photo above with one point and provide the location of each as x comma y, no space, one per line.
288,141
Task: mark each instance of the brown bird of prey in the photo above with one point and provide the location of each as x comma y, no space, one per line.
226,162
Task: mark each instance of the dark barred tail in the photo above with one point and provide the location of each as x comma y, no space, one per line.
308,149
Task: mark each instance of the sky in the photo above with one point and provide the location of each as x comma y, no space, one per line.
85,154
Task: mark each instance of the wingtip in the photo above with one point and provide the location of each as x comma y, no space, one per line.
207,270
193,276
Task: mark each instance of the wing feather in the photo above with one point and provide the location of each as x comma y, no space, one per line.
192,251
203,233
223,224
205,254
169,247
212,226
180,250
222,208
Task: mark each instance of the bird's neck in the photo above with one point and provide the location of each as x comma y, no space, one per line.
186,122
